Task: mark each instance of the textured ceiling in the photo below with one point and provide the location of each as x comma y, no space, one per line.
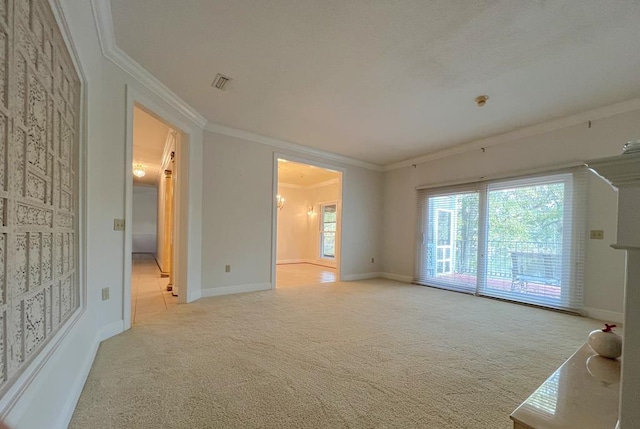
293,173
382,80
149,138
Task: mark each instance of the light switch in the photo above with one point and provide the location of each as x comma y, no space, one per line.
596,234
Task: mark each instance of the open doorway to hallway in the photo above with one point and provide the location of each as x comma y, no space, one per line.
152,226
309,203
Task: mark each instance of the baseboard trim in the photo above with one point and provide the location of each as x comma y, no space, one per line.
108,331
66,413
35,368
397,277
363,276
290,261
319,262
229,290
195,295
609,316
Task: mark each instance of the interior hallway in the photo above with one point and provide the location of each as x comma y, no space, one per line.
288,275
149,295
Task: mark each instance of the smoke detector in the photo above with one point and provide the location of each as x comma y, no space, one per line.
481,100
220,81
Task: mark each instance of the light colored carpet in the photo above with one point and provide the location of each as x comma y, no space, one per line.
346,355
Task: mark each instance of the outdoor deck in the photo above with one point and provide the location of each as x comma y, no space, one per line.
505,285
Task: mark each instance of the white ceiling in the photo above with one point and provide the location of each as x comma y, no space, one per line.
293,173
381,80
149,138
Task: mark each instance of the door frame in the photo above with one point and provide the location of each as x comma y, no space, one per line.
187,291
274,208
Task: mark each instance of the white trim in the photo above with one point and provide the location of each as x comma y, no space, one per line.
281,144
75,388
314,186
34,369
397,277
274,210
606,315
327,263
512,174
195,295
321,256
291,261
363,276
291,185
325,183
533,130
31,372
181,264
108,331
111,51
229,290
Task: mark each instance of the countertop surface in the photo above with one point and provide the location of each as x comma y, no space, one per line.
582,394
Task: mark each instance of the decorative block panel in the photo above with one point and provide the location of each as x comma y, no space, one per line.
39,107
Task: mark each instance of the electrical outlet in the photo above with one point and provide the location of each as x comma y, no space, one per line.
596,234
118,224
105,293
373,260
227,268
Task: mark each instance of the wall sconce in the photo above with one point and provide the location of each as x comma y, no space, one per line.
138,170
310,211
279,201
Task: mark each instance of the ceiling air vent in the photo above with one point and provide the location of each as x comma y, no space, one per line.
220,81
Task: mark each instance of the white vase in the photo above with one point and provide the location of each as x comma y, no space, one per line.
606,343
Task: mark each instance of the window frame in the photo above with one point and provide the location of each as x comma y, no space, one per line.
573,244
322,231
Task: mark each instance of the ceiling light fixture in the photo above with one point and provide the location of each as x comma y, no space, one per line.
138,170
481,100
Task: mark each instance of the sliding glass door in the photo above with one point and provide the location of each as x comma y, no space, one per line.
519,240
449,247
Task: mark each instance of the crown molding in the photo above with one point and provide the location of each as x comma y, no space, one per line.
314,186
290,186
621,171
106,35
325,183
104,23
282,144
544,127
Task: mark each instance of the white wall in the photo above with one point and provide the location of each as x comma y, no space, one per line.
292,225
317,196
299,232
237,206
604,274
234,199
145,219
55,390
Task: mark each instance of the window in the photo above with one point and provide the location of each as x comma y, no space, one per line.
328,224
520,239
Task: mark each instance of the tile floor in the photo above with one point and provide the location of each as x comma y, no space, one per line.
149,295
288,275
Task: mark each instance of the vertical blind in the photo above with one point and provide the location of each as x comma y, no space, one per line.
518,239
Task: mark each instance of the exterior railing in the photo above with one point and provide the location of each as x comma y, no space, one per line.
499,260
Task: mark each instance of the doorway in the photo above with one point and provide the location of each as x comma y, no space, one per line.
152,226
308,224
